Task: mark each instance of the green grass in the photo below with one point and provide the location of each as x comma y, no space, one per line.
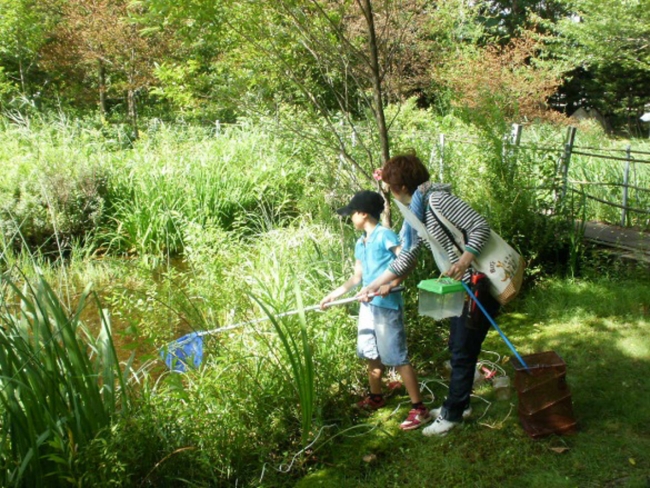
600,329
206,223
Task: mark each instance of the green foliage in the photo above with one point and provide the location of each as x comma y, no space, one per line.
253,216
24,27
219,425
606,42
51,195
60,387
7,88
300,372
611,32
181,178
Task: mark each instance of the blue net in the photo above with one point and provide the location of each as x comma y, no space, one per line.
184,353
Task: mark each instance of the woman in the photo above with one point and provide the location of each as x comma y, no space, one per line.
405,175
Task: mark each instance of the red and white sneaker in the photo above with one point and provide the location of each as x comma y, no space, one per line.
416,418
368,404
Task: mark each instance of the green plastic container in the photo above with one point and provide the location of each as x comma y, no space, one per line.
441,298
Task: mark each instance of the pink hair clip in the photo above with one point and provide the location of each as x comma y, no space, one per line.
376,174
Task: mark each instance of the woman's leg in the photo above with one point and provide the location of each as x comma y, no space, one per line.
465,346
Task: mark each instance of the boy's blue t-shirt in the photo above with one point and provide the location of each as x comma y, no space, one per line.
375,256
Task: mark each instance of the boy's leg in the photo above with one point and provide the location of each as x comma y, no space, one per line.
375,372
391,342
410,379
419,414
367,350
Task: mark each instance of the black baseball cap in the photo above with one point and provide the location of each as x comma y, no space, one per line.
366,201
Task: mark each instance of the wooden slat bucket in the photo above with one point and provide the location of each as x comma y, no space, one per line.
545,405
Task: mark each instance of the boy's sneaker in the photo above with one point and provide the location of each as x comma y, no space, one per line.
440,427
368,404
416,418
394,387
435,413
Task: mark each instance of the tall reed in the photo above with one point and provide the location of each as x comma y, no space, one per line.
59,386
298,353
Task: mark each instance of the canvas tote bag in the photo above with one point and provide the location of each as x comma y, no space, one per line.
503,266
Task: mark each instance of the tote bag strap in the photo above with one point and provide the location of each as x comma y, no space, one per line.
446,230
439,253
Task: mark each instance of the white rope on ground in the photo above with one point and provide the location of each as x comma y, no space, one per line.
498,359
360,426
424,386
284,468
498,424
489,404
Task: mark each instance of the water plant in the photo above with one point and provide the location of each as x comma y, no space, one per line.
60,386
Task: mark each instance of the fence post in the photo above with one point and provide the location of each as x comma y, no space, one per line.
565,159
432,155
626,178
441,149
515,135
515,139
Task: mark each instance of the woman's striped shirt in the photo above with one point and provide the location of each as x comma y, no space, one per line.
473,226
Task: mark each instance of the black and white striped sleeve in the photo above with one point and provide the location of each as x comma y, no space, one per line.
473,225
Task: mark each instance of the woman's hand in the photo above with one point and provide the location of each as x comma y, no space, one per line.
459,268
384,290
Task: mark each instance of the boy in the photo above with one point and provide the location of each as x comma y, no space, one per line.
381,338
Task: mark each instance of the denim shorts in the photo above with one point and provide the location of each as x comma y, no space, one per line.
381,335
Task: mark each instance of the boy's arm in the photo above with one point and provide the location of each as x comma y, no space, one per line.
353,281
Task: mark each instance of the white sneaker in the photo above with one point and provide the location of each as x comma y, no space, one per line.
435,413
439,427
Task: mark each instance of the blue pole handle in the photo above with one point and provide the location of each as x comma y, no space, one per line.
503,336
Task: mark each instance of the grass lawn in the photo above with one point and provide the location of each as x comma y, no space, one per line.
601,328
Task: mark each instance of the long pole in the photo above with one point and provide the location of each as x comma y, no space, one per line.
503,336
291,312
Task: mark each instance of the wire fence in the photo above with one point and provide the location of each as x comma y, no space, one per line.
613,178
593,173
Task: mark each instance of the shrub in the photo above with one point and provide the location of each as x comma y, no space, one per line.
49,211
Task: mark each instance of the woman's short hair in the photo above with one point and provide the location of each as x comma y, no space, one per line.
405,170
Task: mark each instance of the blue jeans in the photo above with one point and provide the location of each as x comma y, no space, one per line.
465,347
381,335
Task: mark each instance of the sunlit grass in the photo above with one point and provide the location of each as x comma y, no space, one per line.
59,385
196,224
603,341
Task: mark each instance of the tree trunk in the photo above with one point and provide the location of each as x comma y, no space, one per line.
23,83
133,109
378,101
133,112
102,89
